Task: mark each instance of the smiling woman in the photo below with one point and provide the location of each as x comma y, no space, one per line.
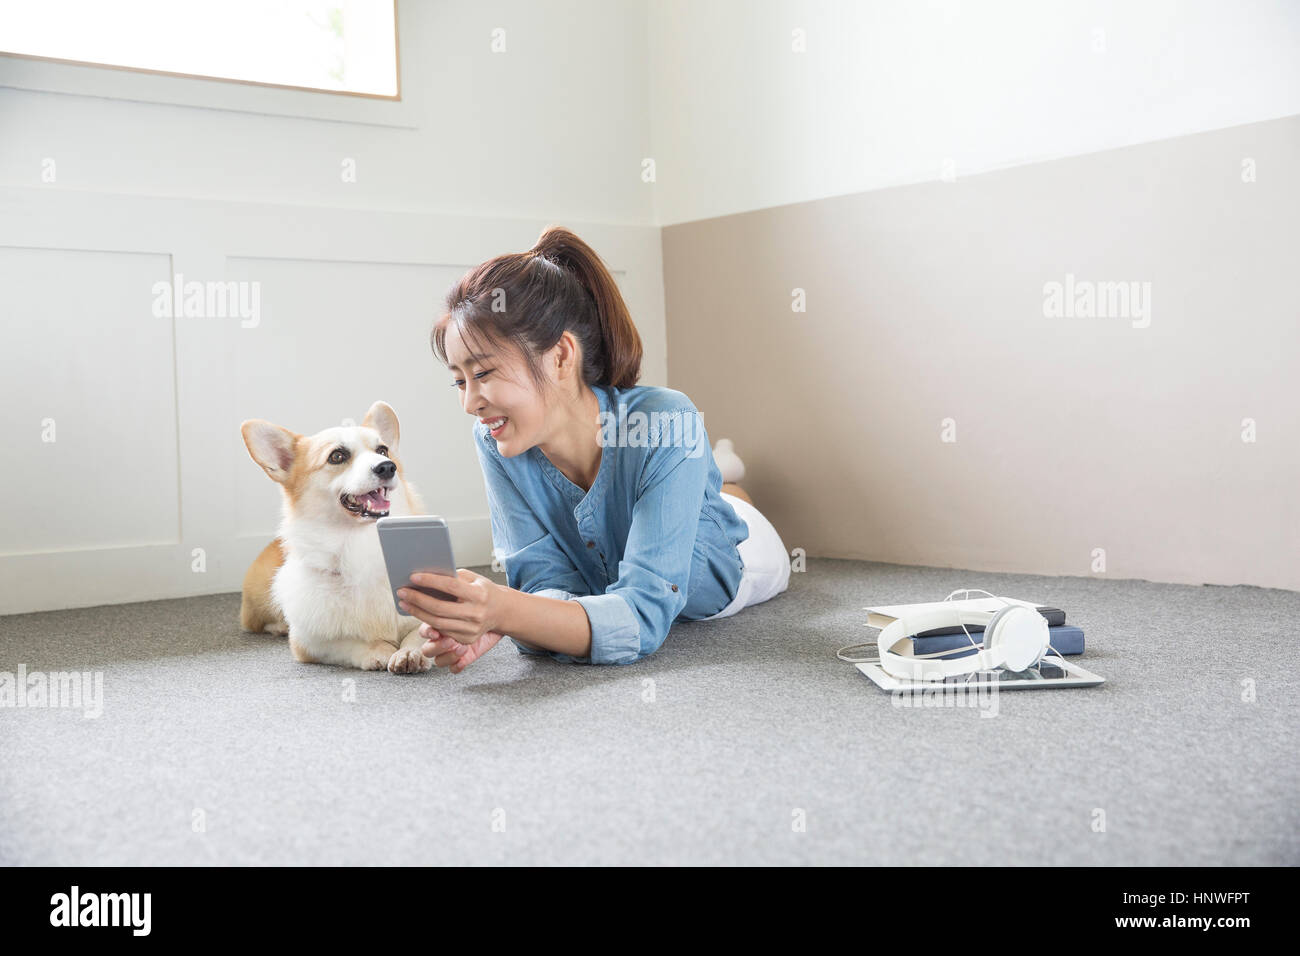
607,542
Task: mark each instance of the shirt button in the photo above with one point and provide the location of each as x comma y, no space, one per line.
591,544
674,587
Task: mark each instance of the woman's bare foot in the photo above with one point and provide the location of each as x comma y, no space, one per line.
736,491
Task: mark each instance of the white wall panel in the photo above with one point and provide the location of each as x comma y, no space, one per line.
154,494
85,362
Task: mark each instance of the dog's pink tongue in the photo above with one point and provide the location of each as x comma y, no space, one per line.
377,499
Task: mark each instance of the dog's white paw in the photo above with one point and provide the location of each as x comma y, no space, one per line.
376,658
409,661
279,629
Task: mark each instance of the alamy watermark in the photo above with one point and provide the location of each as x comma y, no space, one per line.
129,910
80,689
1085,299
208,300
640,429
981,695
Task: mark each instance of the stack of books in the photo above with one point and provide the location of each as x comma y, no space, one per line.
1064,638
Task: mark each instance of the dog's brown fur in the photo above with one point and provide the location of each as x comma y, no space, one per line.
257,611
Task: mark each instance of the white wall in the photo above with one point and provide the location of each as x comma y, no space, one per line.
888,92
147,491
553,128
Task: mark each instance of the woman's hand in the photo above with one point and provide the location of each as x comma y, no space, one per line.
450,653
473,615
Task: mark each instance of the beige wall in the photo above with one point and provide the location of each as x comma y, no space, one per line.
926,303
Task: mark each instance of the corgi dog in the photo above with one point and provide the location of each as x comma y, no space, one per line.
323,581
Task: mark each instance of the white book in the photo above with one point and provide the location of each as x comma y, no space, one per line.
887,614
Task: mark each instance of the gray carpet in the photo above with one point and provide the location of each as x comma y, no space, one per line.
742,740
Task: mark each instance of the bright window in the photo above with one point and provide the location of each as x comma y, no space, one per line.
344,46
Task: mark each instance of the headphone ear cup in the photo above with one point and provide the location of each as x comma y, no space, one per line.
1021,638
993,629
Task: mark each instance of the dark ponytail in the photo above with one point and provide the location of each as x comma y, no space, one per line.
530,299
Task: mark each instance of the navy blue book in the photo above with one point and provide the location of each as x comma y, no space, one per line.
1065,638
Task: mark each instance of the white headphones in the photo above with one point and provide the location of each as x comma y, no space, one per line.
1015,637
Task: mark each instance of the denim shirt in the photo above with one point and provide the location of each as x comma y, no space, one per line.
652,542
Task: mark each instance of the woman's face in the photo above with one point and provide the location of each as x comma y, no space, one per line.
498,385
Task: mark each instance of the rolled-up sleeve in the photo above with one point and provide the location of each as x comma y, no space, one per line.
534,562
632,618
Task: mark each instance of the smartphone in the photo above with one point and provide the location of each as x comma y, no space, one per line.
414,543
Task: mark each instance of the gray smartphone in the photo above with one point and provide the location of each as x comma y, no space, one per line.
414,543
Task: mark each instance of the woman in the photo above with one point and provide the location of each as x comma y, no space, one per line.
607,506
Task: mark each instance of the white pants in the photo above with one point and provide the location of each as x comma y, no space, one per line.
767,563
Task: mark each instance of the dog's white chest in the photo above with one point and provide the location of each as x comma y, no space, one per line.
348,599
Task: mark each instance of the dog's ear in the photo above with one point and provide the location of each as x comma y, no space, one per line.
383,419
270,446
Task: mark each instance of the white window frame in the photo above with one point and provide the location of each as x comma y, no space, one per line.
48,75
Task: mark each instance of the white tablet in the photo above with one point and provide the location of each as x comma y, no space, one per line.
1052,672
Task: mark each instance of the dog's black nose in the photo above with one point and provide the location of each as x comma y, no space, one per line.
385,470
